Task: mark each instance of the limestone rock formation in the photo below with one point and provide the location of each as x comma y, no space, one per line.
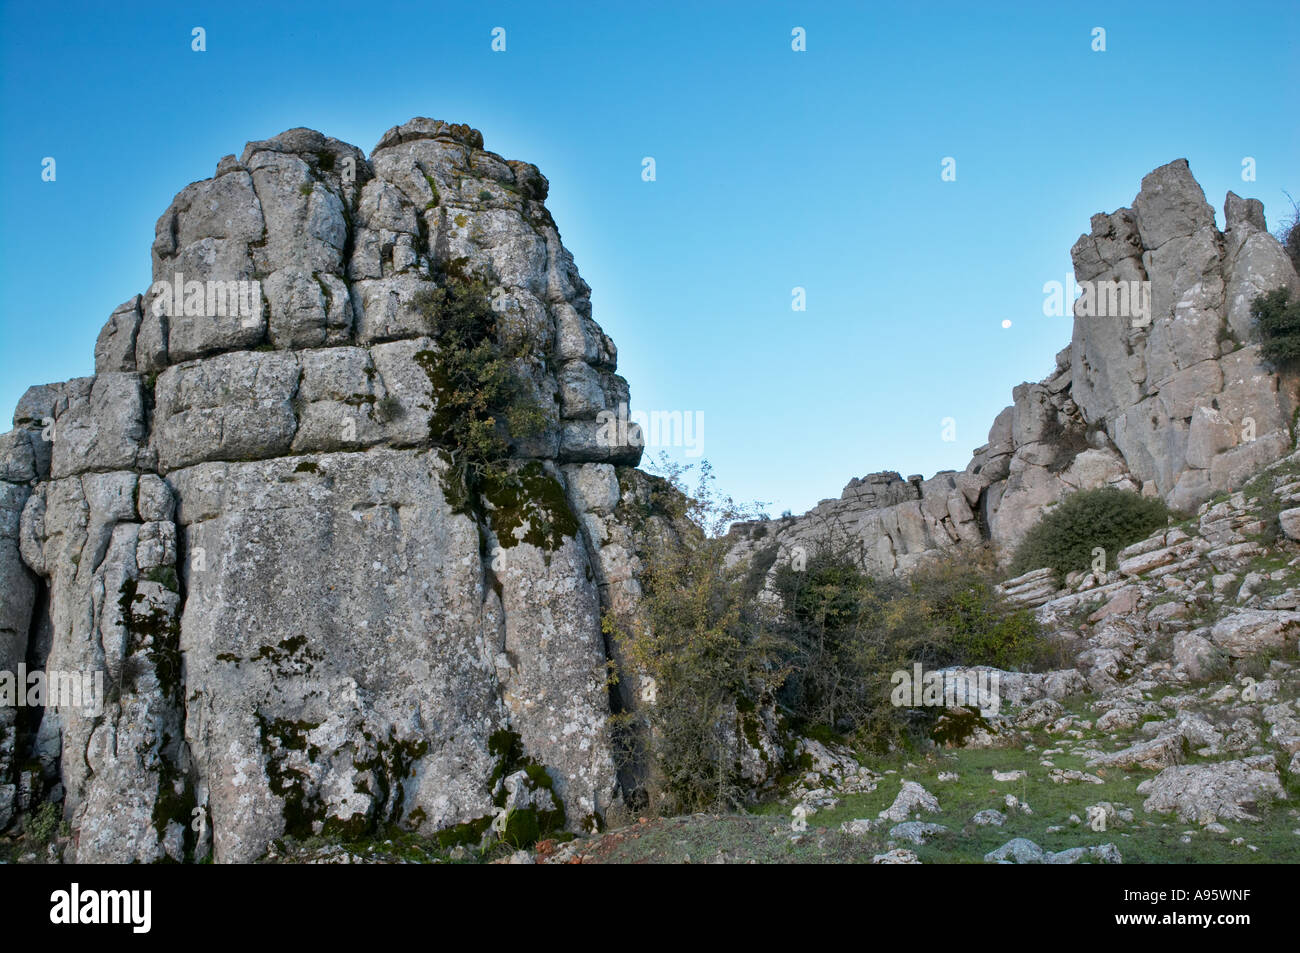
243,522
250,526
1161,390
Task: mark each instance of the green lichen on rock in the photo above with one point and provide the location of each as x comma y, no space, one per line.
433,187
529,499
522,827
153,644
165,576
470,832
390,767
284,650
174,801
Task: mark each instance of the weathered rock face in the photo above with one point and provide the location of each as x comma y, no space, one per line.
242,520
1166,394
1185,398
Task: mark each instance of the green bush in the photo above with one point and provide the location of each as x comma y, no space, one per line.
850,633
699,638
482,392
45,823
822,654
1278,320
827,614
1066,538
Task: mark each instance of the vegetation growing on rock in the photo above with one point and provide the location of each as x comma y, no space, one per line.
848,632
818,660
1278,319
1067,538
698,645
483,399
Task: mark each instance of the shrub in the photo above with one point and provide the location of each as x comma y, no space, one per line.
483,397
851,632
1278,320
701,640
822,652
45,823
978,626
826,616
1066,538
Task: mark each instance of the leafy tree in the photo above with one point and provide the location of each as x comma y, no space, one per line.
819,647
701,642
851,633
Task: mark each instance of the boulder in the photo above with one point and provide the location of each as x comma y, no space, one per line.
1251,631
1206,793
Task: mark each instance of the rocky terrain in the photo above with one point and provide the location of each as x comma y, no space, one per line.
1174,736
247,524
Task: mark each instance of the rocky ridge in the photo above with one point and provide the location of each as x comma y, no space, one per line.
1184,676
1174,402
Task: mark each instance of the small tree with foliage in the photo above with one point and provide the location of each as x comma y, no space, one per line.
483,397
851,632
1067,538
1278,320
701,641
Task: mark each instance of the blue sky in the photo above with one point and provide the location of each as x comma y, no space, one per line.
775,169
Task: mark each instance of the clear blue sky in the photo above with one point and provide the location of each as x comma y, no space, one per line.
775,169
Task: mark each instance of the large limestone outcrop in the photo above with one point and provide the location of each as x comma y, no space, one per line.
243,523
1169,396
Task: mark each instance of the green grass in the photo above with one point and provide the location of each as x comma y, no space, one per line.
1150,838
397,846
727,838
